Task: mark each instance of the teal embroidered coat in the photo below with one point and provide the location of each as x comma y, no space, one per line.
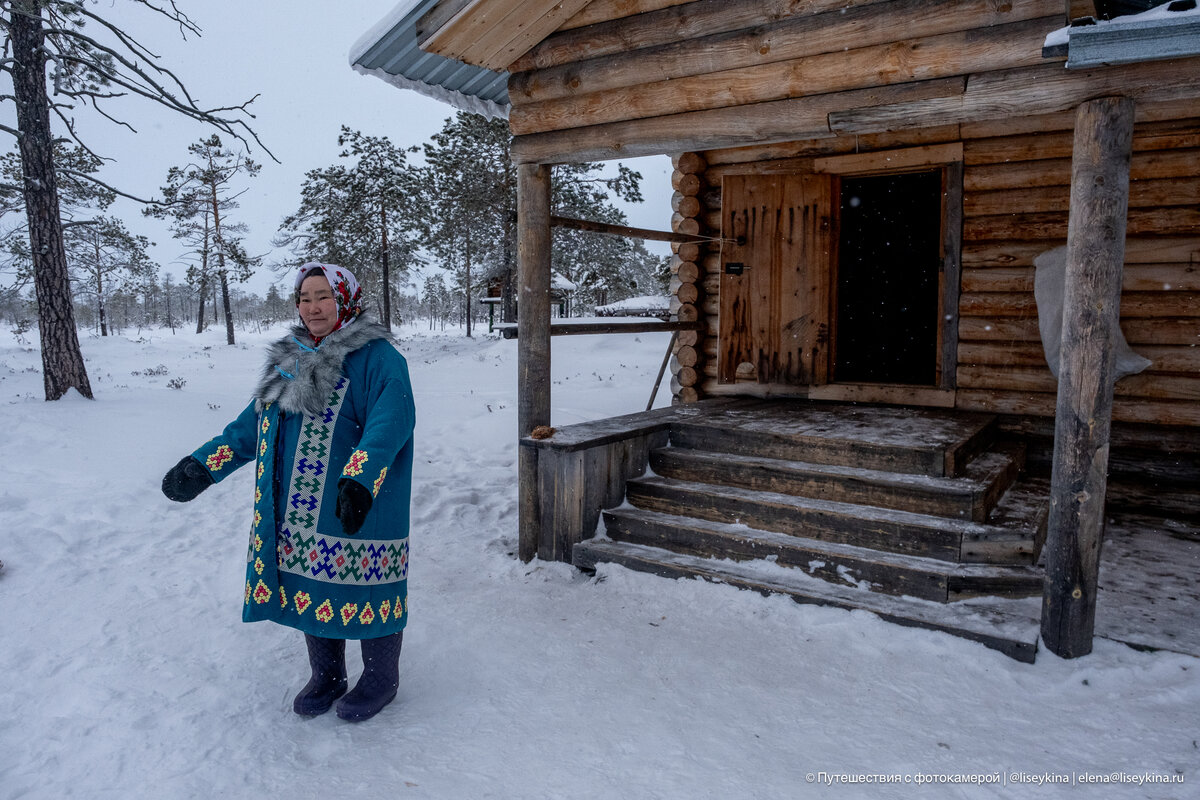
340,409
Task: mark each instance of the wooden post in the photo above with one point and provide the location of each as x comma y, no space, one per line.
1083,415
533,340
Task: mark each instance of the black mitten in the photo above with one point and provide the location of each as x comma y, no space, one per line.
353,503
186,479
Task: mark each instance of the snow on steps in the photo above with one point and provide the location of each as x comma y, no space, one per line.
875,570
1008,539
912,440
971,496
1010,626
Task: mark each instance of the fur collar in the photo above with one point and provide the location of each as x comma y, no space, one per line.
299,376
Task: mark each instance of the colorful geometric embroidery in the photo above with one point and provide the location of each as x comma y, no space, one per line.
378,482
354,466
257,518
335,559
348,612
302,602
367,616
257,495
220,458
257,543
325,611
262,593
262,448
282,598
266,426
247,592
258,565
385,608
309,467
261,468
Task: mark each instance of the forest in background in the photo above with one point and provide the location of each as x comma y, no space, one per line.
386,212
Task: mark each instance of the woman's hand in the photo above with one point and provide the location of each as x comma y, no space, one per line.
186,479
353,503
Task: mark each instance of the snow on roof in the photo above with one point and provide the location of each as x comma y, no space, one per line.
389,51
559,282
1166,31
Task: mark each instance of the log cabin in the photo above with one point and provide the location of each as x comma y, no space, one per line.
868,197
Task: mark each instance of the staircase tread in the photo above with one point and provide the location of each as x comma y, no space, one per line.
924,429
1015,620
963,485
867,513
949,569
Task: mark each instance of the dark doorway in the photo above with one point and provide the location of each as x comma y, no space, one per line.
889,257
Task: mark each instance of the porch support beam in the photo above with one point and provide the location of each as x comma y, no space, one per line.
533,341
1083,415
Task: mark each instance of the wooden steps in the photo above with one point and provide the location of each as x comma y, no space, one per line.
1010,626
970,497
907,440
839,504
880,571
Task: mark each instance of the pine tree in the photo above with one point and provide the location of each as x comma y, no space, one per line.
86,72
105,257
360,215
470,192
206,186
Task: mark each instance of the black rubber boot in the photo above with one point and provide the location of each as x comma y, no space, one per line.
379,682
327,657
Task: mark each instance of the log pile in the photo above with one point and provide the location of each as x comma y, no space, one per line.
687,181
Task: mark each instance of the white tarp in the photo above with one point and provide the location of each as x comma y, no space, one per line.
1049,284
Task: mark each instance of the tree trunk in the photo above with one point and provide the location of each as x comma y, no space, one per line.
62,361
387,281
468,283
200,311
221,264
226,309
509,288
100,288
203,281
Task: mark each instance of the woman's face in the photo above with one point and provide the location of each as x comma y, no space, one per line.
318,308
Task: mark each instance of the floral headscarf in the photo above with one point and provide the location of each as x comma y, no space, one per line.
346,290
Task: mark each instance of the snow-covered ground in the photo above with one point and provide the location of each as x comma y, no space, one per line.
127,672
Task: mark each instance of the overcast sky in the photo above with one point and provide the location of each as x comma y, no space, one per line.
294,55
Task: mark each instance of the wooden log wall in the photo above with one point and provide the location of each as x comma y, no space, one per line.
639,77
686,361
1016,197
1016,193
634,77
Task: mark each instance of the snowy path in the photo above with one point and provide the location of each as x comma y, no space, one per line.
129,674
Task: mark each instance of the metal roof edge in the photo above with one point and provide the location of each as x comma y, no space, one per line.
459,100
1127,42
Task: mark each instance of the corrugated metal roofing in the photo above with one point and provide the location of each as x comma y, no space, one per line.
1164,32
389,51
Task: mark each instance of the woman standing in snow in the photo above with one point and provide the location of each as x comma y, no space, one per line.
330,429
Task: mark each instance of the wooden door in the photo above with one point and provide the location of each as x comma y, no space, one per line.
775,277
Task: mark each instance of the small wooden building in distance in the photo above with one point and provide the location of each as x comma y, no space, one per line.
861,190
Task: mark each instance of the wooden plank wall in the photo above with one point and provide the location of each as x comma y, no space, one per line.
1016,192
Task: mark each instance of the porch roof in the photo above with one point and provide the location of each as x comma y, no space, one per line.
391,51
1168,31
